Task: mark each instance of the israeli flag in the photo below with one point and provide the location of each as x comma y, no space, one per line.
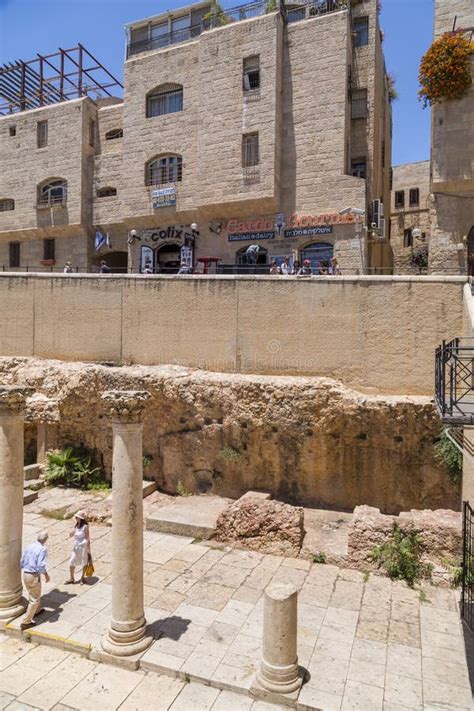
99,240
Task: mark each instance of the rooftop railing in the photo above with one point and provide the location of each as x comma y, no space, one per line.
293,12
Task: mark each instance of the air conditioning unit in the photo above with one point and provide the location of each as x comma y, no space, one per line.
378,220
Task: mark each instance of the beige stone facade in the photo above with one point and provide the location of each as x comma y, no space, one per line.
451,246
410,210
316,134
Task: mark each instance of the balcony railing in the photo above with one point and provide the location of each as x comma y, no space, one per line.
454,381
294,13
52,200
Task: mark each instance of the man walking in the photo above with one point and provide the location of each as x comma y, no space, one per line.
33,565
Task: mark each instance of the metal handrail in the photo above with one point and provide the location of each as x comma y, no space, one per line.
454,381
49,200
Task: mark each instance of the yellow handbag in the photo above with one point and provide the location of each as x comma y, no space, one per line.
89,569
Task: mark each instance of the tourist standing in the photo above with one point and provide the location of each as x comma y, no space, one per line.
33,565
305,270
274,268
285,267
104,267
68,268
82,547
251,254
336,269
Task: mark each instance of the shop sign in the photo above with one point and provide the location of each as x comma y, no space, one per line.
355,244
293,221
309,231
164,197
250,236
147,258
187,256
175,233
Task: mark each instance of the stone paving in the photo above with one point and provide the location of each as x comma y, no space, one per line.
366,642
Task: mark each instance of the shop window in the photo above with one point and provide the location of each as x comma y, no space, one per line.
54,192
361,31
106,192
7,204
114,134
49,249
167,99
414,197
42,134
250,151
251,73
167,169
359,168
399,199
14,254
359,104
12,130
408,238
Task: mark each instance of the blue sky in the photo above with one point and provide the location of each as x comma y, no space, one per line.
30,26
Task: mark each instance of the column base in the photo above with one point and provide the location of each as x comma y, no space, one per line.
279,679
12,605
126,643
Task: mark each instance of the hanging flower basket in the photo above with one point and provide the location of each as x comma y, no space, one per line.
445,69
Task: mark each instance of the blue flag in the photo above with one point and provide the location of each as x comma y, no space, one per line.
99,240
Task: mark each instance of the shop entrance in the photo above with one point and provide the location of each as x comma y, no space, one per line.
168,259
320,255
117,261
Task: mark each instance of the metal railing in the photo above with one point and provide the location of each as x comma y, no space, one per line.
467,591
314,8
52,200
454,381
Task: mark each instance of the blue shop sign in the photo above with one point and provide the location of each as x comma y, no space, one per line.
250,236
309,231
164,197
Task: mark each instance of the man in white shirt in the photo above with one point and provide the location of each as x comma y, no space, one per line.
33,564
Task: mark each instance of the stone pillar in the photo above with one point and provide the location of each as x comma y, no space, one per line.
12,405
279,666
44,411
126,634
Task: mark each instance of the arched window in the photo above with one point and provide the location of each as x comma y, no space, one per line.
166,169
320,255
106,192
165,99
53,192
7,204
113,134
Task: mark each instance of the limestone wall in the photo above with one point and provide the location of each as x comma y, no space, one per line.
305,440
369,332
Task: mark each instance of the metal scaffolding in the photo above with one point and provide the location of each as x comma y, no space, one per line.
51,78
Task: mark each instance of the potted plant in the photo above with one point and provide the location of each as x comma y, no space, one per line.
419,258
445,69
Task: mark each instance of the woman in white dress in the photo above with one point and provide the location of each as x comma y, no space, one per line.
82,546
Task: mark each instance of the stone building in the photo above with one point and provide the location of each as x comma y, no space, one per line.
409,211
451,247
249,126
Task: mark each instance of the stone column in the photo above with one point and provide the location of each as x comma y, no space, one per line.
126,634
279,666
44,411
12,405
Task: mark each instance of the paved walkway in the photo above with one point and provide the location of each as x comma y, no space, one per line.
367,643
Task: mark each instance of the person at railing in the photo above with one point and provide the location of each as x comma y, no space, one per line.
335,268
305,270
285,268
185,269
274,268
104,267
68,268
251,254
296,267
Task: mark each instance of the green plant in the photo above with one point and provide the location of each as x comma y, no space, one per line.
230,454
271,6
449,456
401,556
419,258
147,460
74,468
319,558
392,89
366,576
445,69
454,570
57,514
181,490
216,17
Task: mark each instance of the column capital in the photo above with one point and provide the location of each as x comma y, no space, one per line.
40,408
13,399
126,406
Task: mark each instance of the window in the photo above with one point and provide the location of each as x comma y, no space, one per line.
91,132
7,204
48,249
106,192
414,197
359,168
251,73
42,134
361,31
399,198
168,169
12,130
408,238
113,134
168,99
14,254
250,156
359,103
53,192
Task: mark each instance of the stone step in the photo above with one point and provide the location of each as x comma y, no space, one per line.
32,471
34,484
148,488
194,516
29,496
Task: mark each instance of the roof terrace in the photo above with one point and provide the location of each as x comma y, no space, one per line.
188,23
